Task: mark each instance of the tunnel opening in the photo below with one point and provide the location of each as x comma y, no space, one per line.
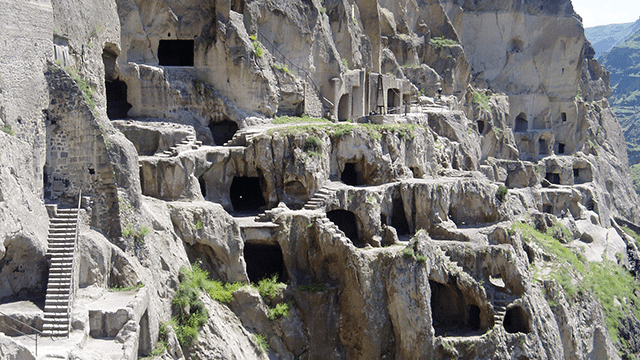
563,116
553,178
450,314
203,186
522,125
547,208
346,221
263,261
393,101
350,175
222,131
343,108
176,52
144,339
543,147
561,147
516,320
246,194
480,124
399,218
117,105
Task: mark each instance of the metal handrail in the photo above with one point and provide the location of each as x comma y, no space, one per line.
38,332
73,263
284,60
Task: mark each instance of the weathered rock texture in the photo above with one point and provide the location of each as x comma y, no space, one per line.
471,124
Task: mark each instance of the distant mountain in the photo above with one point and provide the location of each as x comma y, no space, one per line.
605,37
623,61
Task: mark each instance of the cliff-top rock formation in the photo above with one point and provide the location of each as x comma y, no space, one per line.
311,180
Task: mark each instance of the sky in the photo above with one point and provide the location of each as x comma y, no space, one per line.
604,12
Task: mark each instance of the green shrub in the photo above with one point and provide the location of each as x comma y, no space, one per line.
407,252
279,311
269,287
126,288
440,42
633,234
262,343
313,144
258,49
7,129
198,224
501,194
481,99
421,259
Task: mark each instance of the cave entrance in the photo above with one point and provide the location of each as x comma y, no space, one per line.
350,175
393,101
563,116
203,186
398,218
553,178
176,52
346,221
246,194
450,314
561,147
343,108
543,147
144,339
522,125
516,320
222,131
264,260
480,126
117,105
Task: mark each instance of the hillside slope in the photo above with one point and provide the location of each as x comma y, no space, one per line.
623,62
605,37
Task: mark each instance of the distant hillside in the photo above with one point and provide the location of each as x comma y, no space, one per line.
623,62
605,37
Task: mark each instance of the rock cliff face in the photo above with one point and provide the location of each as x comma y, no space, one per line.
463,196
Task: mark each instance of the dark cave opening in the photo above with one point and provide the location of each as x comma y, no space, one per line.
264,260
117,105
516,320
563,116
399,219
561,147
346,221
553,178
350,175
203,186
522,125
343,108
246,194
450,314
175,52
222,131
480,124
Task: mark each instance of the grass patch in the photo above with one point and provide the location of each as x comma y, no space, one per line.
606,280
314,287
481,99
190,312
502,192
314,144
440,42
137,235
88,91
7,129
304,118
258,49
284,68
269,287
126,288
633,234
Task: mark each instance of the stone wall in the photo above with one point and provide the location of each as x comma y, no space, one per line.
77,153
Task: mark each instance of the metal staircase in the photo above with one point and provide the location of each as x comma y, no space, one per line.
63,235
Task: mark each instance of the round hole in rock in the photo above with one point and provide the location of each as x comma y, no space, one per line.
264,260
350,175
346,221
222,131
516,320
246,194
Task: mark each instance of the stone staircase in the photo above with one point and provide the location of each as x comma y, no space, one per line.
188,143
241,138
62,245
320,198
336,234
500,303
